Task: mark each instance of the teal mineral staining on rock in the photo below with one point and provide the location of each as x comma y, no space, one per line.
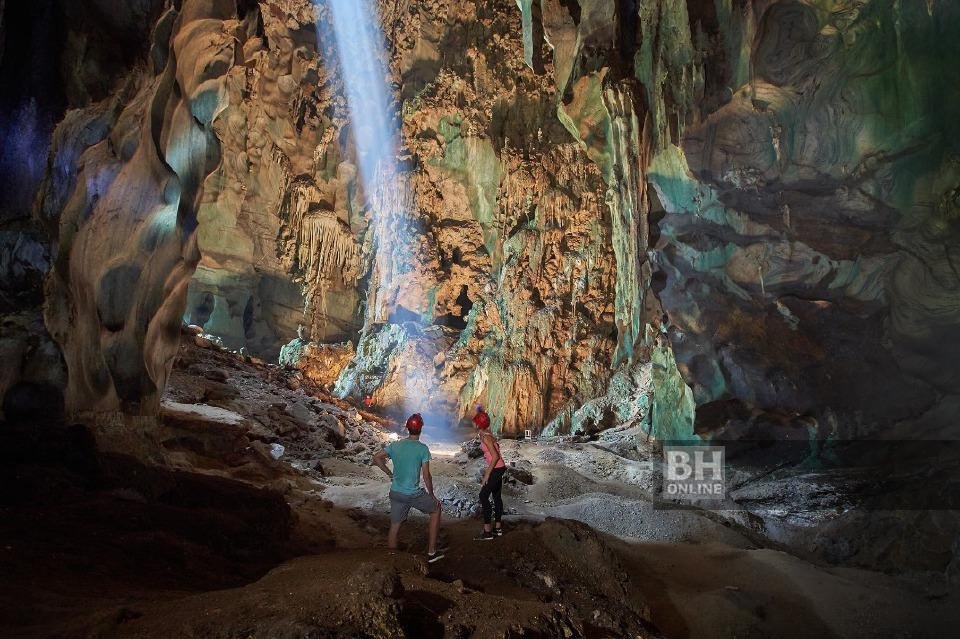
291,352
680,193
378,345
667,72
588,120
426,315
449,127
862,278
736,40
526,20
602,120
673,405
514,245
714,388
468,331
513,397
474,163
626,401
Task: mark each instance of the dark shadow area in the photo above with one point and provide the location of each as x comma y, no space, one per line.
457,321
26,400
55,55
85,520
201,313
248,317
32,99
420,616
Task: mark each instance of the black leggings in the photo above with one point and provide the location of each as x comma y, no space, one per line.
492,487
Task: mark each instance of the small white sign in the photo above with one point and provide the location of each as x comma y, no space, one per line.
528,434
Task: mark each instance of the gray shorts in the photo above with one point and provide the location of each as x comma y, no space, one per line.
400,505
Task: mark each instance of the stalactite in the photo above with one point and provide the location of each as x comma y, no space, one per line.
325,246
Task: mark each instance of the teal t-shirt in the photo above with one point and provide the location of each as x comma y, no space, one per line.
408,456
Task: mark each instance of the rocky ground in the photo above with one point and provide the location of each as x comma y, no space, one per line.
226,535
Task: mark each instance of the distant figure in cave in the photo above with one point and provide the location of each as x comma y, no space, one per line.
410,458
492,478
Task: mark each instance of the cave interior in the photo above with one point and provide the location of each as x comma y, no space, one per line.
241,241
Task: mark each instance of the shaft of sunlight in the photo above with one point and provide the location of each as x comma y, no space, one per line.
354,27
361,49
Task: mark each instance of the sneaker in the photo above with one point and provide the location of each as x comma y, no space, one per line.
498,532
484,536
437,556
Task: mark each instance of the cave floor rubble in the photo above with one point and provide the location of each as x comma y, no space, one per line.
218,538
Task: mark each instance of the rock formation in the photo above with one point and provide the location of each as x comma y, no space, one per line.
628,221
750,204
125,190
804,255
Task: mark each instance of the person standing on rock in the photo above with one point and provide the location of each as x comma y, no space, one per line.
411,459
492,478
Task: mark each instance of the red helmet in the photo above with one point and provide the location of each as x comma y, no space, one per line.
415,423
481,420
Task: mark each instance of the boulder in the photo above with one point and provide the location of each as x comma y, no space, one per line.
322,363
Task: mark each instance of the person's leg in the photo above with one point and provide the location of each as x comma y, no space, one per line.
497,480
485,505
399,509
428,505
392,536
434,532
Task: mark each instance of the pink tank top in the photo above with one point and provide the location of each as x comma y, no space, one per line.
488,454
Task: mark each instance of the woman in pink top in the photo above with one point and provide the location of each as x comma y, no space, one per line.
492,478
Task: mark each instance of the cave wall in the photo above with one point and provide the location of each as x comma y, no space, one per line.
281,228
483,274
809,219
54,56
122,197
736,217
802,167
219,182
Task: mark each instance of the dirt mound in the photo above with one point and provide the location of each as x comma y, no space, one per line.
105,545
533,584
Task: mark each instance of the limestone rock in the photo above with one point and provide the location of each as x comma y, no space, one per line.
24,261
731,198
776,225
323,363
115,294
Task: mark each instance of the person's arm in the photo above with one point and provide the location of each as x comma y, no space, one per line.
380,461
494,456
